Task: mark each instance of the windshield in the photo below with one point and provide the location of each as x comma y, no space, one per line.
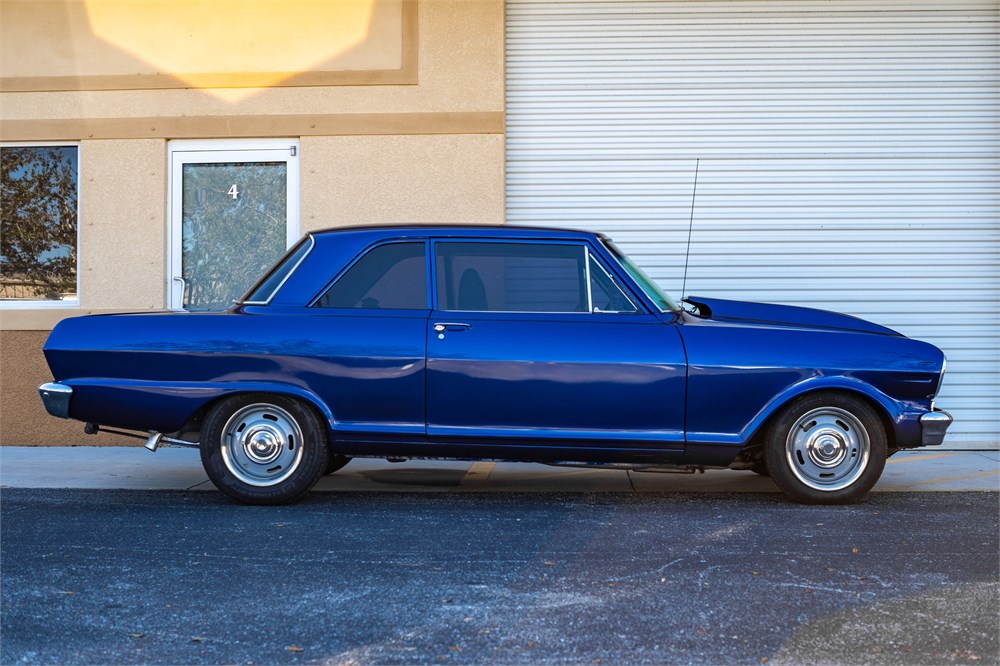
657,295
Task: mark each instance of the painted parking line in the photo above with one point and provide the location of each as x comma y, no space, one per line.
915,485
917,458
477,476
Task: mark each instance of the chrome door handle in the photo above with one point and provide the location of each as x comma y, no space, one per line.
443,326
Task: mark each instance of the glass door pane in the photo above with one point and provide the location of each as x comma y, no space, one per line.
234,210
234,227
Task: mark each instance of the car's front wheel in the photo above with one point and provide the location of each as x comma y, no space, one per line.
264,448
826,448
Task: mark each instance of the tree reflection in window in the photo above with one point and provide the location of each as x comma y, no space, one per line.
234,229
38,223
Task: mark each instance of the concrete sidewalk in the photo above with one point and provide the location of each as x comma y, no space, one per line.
180,469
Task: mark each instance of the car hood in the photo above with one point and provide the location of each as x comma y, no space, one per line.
790,315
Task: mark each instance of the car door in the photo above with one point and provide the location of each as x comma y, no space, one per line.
370,329
533,343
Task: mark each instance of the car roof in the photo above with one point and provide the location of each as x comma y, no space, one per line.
459,230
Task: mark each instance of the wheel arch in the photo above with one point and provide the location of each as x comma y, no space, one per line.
194,421
885,407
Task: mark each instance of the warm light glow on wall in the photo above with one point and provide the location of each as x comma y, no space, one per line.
206,42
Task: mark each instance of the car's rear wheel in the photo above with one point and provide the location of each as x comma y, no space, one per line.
264,448
826,448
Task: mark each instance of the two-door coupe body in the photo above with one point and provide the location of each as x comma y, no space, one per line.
500,343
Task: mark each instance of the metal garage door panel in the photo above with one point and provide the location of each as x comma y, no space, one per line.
848,157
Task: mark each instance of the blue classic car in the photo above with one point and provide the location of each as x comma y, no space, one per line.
501,343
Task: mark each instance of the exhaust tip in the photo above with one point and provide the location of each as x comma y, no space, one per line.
153,442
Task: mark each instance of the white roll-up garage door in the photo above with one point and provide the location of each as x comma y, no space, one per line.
849,157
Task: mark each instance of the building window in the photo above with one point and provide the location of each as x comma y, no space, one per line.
38,225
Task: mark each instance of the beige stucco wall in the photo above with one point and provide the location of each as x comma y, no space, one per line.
460,68
147,38
351,180
423,143
123,190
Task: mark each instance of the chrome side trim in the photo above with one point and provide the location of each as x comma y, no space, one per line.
55,397
933,426
944,369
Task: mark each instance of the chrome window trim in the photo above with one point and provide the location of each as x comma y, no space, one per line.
291,272
636,310
432,254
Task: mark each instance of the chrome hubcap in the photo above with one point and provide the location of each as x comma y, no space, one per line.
828,449
262,444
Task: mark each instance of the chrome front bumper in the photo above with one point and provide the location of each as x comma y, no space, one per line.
933,425
55,397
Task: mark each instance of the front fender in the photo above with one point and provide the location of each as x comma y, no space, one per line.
722,448
165,406
896,412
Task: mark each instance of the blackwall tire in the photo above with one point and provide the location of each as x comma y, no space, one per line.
264,448
826,448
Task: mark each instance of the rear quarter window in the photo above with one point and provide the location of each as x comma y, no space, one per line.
387,277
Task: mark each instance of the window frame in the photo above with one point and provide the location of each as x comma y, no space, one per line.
44,303
604,269
313,303
235,151
588,253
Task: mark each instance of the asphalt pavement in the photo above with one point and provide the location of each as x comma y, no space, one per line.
113,555
188,577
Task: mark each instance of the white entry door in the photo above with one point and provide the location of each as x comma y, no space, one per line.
234,210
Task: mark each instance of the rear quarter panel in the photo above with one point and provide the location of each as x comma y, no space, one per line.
153,371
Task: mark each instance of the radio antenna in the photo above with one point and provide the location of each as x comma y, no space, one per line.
687,252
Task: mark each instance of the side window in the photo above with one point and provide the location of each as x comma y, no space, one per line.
605,293
38,225
387,277
511,277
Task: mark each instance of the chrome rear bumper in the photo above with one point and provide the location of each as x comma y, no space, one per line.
55,397
933,426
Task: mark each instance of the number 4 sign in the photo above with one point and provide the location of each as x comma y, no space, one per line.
234,192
